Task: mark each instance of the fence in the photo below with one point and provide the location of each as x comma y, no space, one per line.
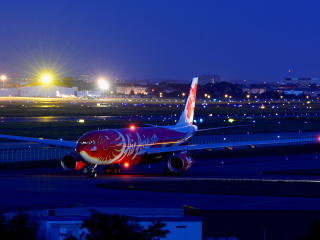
31,154
299,139
51,153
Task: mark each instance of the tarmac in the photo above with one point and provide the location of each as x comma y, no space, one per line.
48,186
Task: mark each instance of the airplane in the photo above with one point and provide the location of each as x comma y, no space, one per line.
145,145
58,94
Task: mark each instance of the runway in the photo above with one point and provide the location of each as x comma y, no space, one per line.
52,187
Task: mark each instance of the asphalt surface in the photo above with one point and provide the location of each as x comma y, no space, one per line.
48,186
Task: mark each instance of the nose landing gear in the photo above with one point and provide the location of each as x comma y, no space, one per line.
91,171
92,174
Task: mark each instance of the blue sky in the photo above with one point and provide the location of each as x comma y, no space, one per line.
144,39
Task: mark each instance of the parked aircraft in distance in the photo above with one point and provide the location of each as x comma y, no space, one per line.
132,146
58,94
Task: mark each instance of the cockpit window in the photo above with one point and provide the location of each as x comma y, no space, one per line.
89,142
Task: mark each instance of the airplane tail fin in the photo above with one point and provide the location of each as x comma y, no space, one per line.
186,117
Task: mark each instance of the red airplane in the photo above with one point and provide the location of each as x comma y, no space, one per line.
129,146
132,146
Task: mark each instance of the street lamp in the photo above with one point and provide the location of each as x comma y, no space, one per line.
3,78
103,84
46,80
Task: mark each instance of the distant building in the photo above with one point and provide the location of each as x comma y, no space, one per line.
22,80
87,78
169,90
51,227
301,81
209,79
313,93
45,91
9,92
180,227
256,90
128,89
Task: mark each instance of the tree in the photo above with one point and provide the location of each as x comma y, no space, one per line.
155,231
117,227
314,231
68,236
19,227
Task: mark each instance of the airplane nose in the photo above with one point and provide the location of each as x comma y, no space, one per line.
78,147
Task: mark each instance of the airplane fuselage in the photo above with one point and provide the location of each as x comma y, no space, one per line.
118,146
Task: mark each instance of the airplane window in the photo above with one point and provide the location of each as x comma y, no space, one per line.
83,143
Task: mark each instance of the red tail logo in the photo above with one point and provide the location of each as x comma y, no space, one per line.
191,102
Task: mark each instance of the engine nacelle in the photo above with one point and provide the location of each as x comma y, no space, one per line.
71,163
180,163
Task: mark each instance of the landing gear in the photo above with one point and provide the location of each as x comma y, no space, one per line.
92,172
112,170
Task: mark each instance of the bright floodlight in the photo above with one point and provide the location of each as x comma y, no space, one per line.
103,84
3,77
46,79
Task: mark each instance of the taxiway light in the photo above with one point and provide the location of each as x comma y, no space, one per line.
81,121
132,127
230,120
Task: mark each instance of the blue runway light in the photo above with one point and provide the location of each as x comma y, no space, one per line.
201,120
195,121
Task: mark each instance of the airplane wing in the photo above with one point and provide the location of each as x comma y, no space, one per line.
228,145
58,143
217,128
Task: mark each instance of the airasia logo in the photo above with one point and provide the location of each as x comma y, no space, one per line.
191,101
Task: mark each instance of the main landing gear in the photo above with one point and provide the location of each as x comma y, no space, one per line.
112,170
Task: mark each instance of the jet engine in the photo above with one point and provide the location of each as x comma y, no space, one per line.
180,163
71,163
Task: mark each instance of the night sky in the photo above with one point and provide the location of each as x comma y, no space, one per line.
254,40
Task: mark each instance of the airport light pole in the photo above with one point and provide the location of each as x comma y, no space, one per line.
104,85
3,78
46,80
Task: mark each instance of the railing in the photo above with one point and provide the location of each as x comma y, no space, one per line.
302,139
51,153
